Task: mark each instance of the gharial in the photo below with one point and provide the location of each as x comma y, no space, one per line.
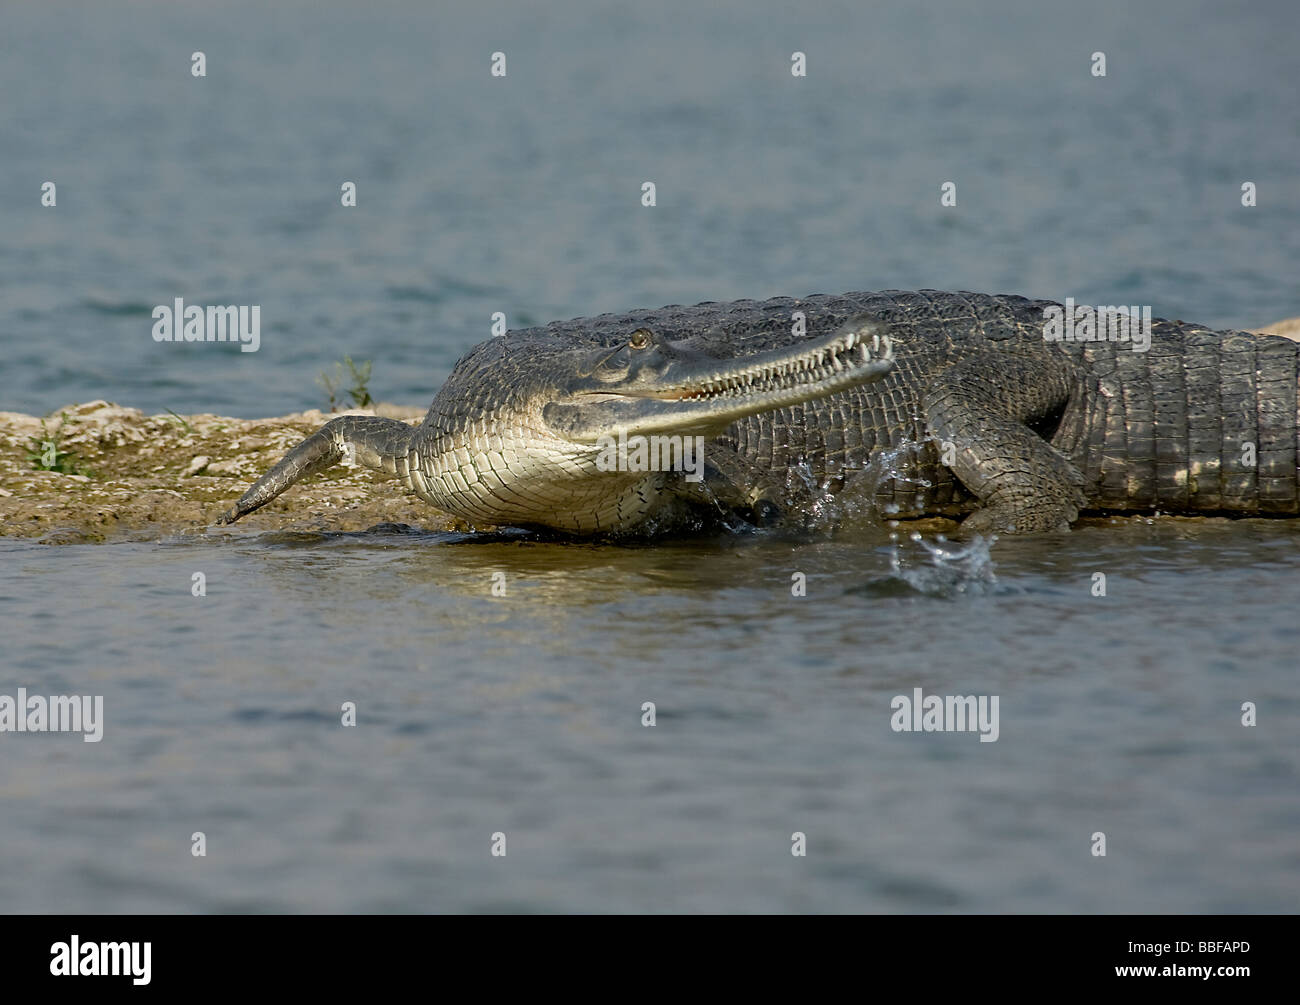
961,404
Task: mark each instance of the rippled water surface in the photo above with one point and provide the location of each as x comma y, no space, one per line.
522,714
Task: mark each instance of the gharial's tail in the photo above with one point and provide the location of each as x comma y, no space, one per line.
382,444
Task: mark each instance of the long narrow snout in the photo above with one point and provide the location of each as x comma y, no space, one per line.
705,396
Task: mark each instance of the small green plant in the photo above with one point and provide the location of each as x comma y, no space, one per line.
46,454
180,420
355,379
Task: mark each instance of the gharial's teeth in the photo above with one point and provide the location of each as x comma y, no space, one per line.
875,342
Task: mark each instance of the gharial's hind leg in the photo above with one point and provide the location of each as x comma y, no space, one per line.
382,444
982,407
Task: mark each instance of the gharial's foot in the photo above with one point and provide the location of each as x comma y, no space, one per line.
1007,520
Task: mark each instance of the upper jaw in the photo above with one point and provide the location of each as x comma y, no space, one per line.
704,395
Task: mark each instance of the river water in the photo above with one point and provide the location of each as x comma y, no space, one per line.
522,715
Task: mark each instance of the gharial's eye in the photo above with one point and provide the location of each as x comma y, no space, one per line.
640,339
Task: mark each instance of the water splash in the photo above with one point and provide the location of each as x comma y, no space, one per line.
936,568
849,497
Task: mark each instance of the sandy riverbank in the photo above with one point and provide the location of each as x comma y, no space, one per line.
131,475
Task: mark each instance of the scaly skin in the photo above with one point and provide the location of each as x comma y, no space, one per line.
1033,431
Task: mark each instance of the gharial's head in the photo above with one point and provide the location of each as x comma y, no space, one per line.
526,427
